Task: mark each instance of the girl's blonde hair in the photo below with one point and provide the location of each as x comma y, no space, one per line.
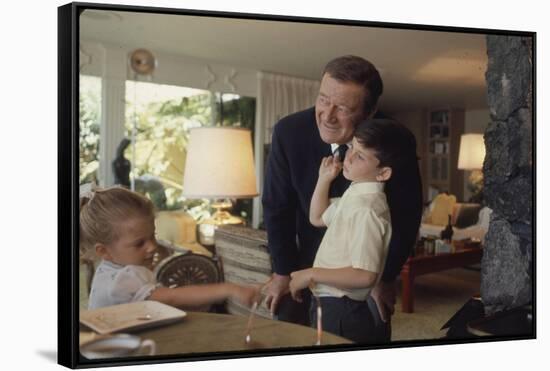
102,209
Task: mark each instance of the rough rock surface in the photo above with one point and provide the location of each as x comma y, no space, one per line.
507,264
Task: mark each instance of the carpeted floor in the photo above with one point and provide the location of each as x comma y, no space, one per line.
437,297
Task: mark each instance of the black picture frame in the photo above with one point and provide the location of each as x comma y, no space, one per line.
68,168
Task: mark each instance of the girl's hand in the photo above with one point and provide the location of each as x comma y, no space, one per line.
245,295
299,281
329,169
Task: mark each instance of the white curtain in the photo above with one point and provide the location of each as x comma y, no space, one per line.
278,96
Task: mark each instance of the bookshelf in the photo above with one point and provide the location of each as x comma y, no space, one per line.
444,127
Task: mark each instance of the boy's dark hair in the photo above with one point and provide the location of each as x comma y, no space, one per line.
350,68
392,142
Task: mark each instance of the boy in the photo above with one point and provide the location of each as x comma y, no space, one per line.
353,251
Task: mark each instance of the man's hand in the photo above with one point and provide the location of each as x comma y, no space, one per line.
299,281
384,296
275,290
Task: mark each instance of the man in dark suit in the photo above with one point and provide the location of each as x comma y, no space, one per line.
349,92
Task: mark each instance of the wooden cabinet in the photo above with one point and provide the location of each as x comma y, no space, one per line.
444,128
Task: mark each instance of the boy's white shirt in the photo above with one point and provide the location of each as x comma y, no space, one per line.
358,235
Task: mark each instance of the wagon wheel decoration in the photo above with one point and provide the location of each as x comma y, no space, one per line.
188,269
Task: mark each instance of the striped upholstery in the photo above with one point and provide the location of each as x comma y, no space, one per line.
245,260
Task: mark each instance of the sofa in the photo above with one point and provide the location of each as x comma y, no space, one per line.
469,220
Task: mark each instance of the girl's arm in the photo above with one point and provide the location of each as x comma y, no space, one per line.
197,295
328,170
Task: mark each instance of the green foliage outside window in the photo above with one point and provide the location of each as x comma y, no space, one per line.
162,134
90,111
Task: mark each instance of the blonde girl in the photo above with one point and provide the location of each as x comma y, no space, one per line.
119,226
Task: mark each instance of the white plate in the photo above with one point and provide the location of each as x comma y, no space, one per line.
119,345
131,316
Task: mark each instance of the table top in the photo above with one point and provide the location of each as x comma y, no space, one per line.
202,332
459,248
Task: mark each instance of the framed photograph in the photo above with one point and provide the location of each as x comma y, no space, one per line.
190,144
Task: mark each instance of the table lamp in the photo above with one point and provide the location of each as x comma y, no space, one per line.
219,166
471,157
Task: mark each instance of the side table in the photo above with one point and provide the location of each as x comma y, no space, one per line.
463,254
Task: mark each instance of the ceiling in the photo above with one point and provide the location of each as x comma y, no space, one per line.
420,69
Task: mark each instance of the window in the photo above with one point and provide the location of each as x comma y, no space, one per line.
89,122
159,118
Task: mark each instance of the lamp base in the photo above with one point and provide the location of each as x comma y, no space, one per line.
476,178
207,227
224,217
475,185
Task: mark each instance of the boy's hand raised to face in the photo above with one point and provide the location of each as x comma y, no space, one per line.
329,169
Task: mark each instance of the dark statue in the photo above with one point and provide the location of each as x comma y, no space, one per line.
121,165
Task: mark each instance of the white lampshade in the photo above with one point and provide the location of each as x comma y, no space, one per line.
219,164
472,152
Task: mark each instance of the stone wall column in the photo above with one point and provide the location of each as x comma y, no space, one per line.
507,265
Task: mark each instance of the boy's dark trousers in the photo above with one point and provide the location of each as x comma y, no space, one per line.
292,311
358,321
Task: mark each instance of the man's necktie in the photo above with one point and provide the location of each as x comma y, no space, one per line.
341,150
340,183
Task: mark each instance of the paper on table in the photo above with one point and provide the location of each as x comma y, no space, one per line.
133,316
